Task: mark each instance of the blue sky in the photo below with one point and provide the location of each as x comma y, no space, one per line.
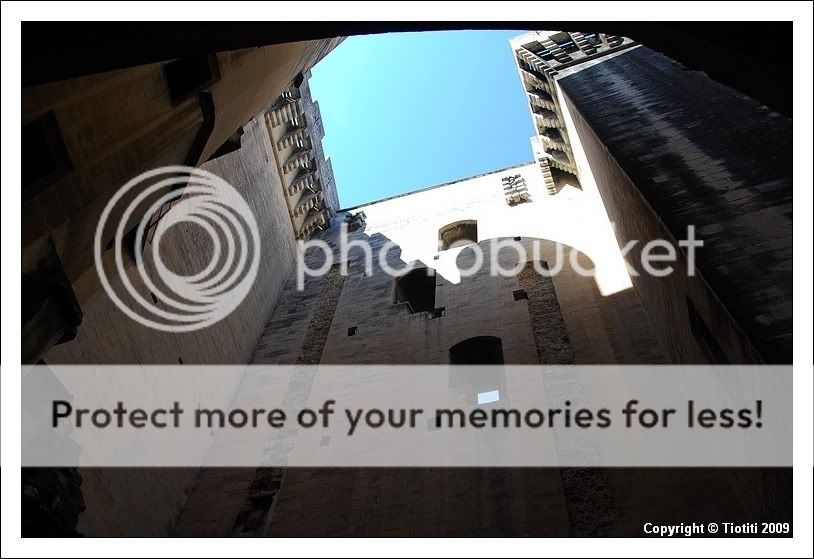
409,110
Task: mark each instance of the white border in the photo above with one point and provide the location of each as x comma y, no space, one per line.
12,14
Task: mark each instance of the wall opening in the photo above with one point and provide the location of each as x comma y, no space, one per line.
416,289
488,397
187,76
458,234
480,350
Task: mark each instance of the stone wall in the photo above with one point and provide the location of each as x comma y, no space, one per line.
665,148
110,127
671,148
548,327
601,320
115,498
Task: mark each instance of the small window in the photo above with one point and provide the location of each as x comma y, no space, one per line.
417,290
458,234
352,330
520,294
44,156
488,397
187,76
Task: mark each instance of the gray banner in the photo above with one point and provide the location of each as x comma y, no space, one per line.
380,416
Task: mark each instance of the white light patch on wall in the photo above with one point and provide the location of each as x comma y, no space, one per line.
488,397
576,219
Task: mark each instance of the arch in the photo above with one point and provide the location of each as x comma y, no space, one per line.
478,350
458,233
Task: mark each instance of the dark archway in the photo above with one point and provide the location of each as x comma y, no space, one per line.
480,350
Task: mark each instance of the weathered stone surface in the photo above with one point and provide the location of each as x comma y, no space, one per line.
435,502
548,326
697,153
115,498
320,325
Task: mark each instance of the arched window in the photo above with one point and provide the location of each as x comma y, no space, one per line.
417,289
480,350
458,234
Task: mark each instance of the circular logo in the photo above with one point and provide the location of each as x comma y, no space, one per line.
188,302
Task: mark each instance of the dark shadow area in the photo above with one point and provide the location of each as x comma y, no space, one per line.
722,166
724,50
480,350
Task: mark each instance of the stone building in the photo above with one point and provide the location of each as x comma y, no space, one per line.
83,138
370,317
223,127
669,148
623,151
570,194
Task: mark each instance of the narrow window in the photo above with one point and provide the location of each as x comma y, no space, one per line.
520,294
488,397
352,330
416,289
457,234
